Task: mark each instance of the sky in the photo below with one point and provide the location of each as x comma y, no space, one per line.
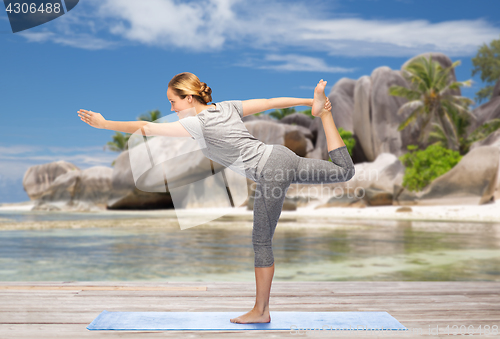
116,57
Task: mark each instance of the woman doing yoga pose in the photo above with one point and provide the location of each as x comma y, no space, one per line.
272,167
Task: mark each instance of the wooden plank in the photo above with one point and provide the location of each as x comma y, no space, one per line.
64,309
105,288
85,316
72,331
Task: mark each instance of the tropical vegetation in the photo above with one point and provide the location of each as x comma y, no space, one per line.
282,112
423,166
487,63
120,140
348,139
431,97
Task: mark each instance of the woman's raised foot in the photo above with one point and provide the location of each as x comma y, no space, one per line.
321,104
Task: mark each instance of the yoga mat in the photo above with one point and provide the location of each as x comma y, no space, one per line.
293,321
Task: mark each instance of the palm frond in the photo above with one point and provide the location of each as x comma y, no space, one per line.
465,111
445,73
411,118
404,92
418,75
410,106
460,100
119,143
438,134
455,85
447,121
422,136
151,116
484,130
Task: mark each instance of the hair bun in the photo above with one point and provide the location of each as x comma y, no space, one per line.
205,92
184,84
205,89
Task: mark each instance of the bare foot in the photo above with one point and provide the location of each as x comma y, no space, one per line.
254,316
321,104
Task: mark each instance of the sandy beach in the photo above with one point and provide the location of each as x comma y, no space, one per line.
480,213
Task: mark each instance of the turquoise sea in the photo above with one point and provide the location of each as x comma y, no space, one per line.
305,249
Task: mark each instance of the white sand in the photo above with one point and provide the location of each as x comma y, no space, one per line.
487,212
17,206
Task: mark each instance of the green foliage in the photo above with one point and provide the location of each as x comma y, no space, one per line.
151,116
484,130
120,140
119,143
423,166
308,113
449,115
487,62
349,140
281,113
429,97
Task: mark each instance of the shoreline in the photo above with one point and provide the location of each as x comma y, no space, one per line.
487,213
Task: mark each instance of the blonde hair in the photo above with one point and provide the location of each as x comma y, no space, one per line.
184,84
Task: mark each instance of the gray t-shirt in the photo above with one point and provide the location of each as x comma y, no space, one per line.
223,138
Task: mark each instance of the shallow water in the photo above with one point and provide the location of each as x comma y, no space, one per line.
304,250
26,216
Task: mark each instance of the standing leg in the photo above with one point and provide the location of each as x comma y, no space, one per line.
281,169
270,192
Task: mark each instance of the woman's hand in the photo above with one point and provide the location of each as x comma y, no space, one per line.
92,118
328,104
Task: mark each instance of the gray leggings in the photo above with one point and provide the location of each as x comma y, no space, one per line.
282,168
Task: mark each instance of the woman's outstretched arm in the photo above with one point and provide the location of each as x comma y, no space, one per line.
170,129
96,120
260,105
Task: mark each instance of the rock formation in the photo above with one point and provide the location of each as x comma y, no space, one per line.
471,181
38,179
77,190
363,107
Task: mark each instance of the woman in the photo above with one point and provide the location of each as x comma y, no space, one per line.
220,127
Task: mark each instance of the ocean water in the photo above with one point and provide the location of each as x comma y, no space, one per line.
305,249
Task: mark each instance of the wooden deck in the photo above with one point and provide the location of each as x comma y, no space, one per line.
64,309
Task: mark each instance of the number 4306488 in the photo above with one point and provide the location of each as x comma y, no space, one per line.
31,8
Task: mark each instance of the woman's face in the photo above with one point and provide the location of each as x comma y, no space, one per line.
177,103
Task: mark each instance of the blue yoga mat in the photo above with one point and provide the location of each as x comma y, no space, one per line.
293,321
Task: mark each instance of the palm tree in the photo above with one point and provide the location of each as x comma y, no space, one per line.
438,135
119,143
430,97
151,116
483,131
120,140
